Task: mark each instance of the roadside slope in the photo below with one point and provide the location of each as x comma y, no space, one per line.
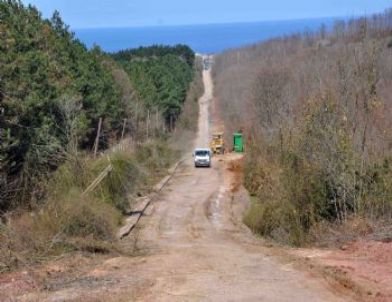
192,247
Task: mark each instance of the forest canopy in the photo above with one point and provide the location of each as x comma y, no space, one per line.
54,91
161,76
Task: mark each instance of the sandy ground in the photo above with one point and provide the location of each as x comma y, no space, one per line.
365,264
191,246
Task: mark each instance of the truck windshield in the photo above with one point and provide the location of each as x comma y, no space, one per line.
202,153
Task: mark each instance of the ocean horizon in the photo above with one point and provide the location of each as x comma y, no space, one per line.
205,38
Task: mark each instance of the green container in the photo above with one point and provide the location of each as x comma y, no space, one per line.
238,143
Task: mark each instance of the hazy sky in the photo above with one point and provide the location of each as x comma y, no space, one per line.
121,13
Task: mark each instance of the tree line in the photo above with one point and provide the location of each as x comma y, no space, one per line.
317,109
161,76
54,92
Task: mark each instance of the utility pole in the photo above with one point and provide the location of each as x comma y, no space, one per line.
97,138
148,124
157,119
123,129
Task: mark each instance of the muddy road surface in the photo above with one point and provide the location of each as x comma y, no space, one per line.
192,246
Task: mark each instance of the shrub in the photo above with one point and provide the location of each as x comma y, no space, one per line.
32,238
277,220
70,220
125,177
155,156
77,216
274,212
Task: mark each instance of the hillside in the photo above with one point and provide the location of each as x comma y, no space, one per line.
103,201
53,91
316,111
83,134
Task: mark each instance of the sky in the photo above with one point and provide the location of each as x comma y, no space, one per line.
132,13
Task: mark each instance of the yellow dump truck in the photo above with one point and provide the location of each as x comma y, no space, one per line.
217,144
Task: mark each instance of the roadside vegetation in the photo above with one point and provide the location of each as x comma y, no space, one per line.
187,124
71,118
161,77
316,110
169,81
53,92
72,219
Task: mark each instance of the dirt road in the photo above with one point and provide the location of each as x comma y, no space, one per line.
196,248
192,246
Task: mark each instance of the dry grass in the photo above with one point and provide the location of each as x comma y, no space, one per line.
70,221
56,228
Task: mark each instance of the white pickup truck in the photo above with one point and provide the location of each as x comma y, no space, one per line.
202,157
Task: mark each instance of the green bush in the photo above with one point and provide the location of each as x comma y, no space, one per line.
125,177
155,156
277,220
274,212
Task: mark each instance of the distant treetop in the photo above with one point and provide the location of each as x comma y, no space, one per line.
183,51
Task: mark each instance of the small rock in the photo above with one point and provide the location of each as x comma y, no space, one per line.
344,247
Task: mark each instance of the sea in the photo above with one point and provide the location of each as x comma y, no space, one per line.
205,39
